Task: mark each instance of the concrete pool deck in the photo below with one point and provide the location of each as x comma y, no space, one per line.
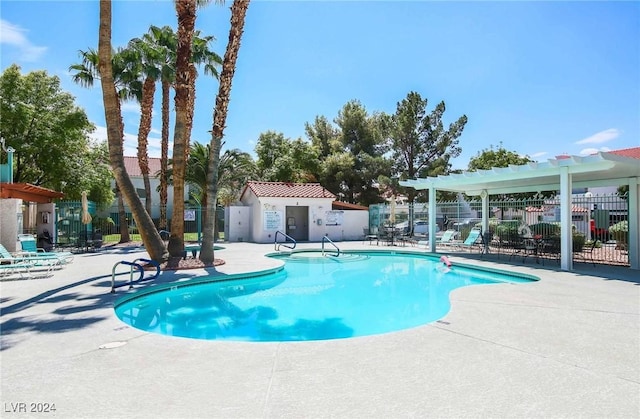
565,346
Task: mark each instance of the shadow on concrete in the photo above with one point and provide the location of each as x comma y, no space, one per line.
63,317
606,272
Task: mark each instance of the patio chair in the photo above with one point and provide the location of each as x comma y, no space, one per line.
367,235
29,248
408,238
550,248
587,251
384,235
47,263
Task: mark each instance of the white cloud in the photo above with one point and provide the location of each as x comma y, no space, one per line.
601,137
131,143
539,154
156,131
590,151
14,35
132,107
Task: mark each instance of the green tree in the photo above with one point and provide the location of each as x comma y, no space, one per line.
50,135
281,159
324,136
492,157
361,135
98,171
420,144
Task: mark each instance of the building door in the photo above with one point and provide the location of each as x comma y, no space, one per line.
297,223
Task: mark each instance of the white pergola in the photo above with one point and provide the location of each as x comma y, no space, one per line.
560,174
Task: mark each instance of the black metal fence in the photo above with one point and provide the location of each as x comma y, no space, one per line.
599,222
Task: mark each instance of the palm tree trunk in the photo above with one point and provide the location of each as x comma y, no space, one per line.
193,74
186,11
115,136
164,154
238,14
146,108
123,223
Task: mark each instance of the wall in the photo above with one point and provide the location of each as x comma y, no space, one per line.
322,220
353,223
10,209
50,225
237,225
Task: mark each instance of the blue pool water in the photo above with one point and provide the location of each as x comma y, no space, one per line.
312,298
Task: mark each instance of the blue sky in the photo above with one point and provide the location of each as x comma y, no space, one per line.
543,78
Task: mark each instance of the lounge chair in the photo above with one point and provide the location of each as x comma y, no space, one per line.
448,239
37,262
29,248
472,239
10,267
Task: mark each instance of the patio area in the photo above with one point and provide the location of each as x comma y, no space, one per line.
565,346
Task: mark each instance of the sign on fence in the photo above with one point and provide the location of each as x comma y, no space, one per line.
189,215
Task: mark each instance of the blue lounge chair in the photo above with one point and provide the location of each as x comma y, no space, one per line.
10,267
29,248
472,239
47,263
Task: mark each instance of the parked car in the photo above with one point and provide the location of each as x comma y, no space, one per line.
420,227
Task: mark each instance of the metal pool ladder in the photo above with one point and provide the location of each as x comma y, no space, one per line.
328,240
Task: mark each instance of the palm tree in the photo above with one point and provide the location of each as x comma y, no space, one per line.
201,54
235,169
166,41
146,60
238,14
115,133
128,86
186,11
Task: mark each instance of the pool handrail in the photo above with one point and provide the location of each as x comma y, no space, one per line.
277,245
327,239
133,265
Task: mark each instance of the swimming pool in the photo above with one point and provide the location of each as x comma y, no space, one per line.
313,297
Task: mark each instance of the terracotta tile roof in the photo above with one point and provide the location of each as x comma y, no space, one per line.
287,190
574,208
133,168
338,205
633,152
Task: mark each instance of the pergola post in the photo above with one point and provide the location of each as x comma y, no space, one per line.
634,223
432,219
484,195
566,223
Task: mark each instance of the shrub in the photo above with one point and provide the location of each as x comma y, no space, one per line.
620,233
545,229
578,242
507,229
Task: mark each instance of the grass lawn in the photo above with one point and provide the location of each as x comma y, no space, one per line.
115,238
